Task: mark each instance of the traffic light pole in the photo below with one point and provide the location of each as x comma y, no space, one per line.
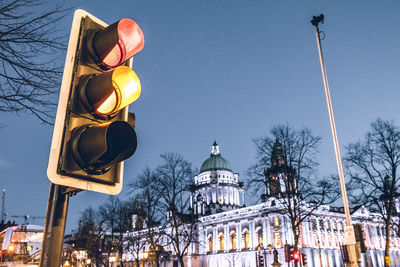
349,230
54,228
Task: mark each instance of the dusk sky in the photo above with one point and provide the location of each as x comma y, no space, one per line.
228,71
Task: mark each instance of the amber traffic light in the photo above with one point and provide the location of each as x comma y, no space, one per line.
94,133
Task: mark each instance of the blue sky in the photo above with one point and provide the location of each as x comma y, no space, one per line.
228,71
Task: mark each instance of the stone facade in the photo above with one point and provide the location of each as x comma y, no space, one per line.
230,234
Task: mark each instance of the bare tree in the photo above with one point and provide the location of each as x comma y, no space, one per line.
372,165
300,148
133,239
173,178
122,226
110,214
149,214
90,235
29,73
286,163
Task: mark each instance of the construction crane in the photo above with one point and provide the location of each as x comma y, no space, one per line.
3,206
28,217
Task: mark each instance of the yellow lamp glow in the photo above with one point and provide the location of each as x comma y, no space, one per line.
11,248
127,89
28,248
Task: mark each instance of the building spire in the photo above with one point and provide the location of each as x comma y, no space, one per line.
215,149
278,153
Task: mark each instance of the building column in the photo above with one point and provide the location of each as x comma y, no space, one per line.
289,233
227,237
368,239
311,232
251,233
306,236
270,237
282,230
319,232
375,236
239,236
203,241
265,236
215,238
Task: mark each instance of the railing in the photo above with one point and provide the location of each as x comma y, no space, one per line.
33,258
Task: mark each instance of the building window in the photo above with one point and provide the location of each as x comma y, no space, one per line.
210,243
276,232
233,238
314,225
246,238
327,226
321,225
260,236
334,228
221,242
340,226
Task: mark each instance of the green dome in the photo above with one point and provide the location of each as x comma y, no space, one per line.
215,161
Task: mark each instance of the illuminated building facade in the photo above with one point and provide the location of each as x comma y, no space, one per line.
231,234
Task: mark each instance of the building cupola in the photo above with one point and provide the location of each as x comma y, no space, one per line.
216,188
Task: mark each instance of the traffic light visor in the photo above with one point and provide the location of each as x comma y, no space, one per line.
106,93
117,43
97,147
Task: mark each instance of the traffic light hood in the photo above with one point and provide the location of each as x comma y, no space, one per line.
115,44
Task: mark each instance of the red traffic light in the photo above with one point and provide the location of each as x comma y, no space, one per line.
115,44
296,255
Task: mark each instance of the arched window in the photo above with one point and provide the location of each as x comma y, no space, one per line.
221,241
276,232
210,242
246,238
233,238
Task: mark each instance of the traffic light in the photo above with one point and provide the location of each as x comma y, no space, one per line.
93,132
359,234
288,255
303,259
295,255
344,253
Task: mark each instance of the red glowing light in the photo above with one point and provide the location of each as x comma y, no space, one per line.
124,39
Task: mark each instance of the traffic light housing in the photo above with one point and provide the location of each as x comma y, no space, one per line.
288,250
93,132
359,234
303,259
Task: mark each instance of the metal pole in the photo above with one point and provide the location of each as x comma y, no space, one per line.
349,230
53,234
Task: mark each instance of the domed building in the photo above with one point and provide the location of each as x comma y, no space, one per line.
216,188
228,233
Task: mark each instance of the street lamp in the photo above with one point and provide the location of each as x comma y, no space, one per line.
258,255
349,229
145,256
